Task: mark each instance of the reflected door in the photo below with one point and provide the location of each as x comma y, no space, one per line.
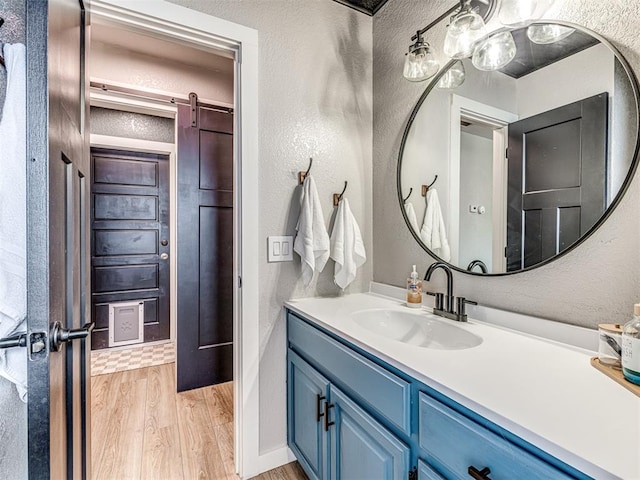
557,164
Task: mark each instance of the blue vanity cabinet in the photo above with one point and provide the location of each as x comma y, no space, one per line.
352,416
455,445
332,437
361,447
307,394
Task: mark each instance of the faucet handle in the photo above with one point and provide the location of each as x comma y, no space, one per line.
461,305
438,305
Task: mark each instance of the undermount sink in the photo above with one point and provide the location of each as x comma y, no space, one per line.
416,329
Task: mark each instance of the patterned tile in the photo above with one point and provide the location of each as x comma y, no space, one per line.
110,361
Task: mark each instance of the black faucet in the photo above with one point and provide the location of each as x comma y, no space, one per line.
427,276
447,310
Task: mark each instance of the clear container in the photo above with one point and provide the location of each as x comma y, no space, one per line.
610,344
631,347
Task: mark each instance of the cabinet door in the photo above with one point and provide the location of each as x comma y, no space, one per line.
361,448
306,395
425,472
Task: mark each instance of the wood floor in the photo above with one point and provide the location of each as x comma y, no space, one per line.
142,429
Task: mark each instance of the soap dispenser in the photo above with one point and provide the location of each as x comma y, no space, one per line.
631,347
414,290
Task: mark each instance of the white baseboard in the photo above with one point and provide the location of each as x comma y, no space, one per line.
275,459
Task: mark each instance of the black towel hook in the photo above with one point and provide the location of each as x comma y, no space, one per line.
404,200
425,188
338,196
303,175
1,57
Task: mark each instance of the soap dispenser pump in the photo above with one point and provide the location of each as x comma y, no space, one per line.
414,290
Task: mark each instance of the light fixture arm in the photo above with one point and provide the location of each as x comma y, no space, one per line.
487,7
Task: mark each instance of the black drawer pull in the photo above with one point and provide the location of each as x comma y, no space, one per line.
479,474
319,413
327,423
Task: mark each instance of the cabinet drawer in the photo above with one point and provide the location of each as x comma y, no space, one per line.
453,443
372,385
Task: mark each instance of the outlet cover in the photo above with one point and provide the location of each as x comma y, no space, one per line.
280,248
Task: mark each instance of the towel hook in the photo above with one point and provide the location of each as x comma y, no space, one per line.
425,188
404,200
1,57
303,175
338,196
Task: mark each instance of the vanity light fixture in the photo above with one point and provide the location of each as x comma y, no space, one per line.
420,63
494,52
465,29
544,33
452,78
518,13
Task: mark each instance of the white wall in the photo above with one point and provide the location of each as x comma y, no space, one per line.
476,188
315,94
120,65
575,78
597,282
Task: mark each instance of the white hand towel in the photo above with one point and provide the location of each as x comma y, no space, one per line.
347,248
433,232
411,215
312,239
13,212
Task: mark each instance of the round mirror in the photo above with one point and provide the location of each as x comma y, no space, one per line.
504,170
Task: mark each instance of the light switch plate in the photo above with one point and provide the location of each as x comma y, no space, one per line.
280,248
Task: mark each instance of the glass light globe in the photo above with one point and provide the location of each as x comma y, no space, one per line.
420,63
518,13
494,52
544,34
463,33
452,78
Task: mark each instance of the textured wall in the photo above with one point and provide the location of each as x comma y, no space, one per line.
13,413
595,283
116,123
134,68
315,90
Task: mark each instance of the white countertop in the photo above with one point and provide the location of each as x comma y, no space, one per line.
542,391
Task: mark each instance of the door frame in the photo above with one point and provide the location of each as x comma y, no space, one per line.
465,108
160,18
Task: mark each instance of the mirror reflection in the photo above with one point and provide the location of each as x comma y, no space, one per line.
526,159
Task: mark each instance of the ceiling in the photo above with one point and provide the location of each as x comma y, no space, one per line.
369,7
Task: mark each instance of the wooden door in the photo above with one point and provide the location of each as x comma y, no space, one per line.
130,239
360,446
306,397
557,179
57,240
205,247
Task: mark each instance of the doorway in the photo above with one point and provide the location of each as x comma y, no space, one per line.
192,28
145,228
478,191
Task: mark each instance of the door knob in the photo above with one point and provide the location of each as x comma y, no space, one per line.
60,335
164,256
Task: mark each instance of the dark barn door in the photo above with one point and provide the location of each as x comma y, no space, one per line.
57,241
130,239
205,247
557,179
